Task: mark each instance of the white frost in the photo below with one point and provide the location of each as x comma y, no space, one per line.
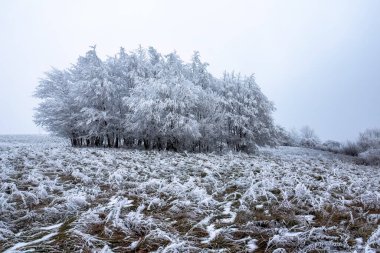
24,244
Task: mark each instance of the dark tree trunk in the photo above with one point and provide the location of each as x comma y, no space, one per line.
159,144
171,146
146,144
116,144
109,141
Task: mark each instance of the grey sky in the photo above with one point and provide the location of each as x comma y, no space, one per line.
319,61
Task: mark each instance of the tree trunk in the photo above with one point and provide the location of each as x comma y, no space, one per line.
109,141
116,144
146,144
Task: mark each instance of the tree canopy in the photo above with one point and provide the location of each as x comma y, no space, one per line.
143,98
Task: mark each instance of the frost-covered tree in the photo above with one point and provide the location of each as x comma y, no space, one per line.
198,71
95,93
142,98
369,146
59,111
369,139
308,137
247,113
119,74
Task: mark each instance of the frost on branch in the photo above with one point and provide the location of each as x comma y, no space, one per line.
145,99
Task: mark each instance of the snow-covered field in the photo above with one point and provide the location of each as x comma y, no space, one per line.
55,198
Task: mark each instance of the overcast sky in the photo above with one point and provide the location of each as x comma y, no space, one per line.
318,61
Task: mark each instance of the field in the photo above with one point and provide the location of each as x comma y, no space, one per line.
55,198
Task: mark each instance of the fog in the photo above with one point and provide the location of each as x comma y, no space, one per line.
318,61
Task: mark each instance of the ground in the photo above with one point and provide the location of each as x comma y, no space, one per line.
55,198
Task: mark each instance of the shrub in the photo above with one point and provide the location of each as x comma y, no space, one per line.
369,139
350,148
331,146
308,138
371,156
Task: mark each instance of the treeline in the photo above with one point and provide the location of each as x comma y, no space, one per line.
366,147
145,99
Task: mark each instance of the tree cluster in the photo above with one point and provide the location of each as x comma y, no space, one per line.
145,99
305,137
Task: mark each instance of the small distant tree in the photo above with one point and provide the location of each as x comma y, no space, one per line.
294,137
308,137
369,139
350,148
369,146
